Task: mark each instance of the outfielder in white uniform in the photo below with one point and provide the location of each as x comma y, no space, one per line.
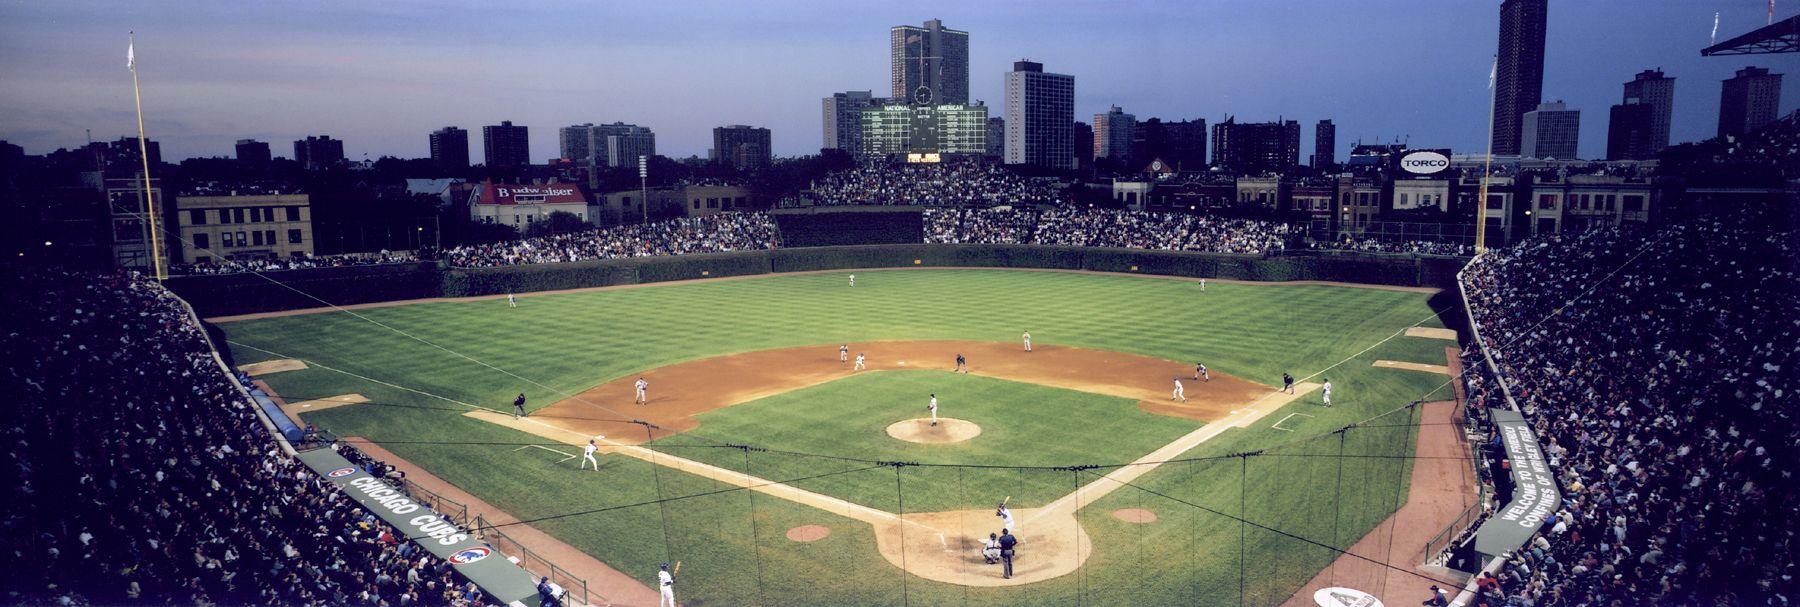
643,391
1006,517
860,365
510,302
1179,393
1203,285
587,455
1327,388
933,408
1027,338
852,280
667,582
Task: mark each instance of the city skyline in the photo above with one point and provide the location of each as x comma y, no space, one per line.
382,78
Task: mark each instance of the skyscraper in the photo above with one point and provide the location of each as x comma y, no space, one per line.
996,138
450,148
620,145
574,143
1748,101
1628,131
1256,147
1113,132
1040,109
251,152
1324,145
1552,131
1081,137
744,147
1519,69
842,112
505,145
929,64
318,152
1653,89
1179,144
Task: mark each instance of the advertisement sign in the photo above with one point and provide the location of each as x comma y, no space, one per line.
1424,162
1345,597
1535,496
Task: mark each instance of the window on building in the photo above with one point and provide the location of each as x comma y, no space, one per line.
1496,201
293,236
1546,201
696,203
269,236
243,240
256,237
225,239
1402,200
224,215
712,203
237,216
293,213
201,241
1634,203
197,217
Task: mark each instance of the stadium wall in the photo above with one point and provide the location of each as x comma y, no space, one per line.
250,293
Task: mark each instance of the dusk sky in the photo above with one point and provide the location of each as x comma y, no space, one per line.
381,75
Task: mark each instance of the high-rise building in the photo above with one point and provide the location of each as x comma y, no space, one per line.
996,138
623,144
1256,147
1324,145
891,130
573,142
1652,88
744,147
251,152
1040,109
505,145
1552,131
318,152
1628,128
929,64
450,148
841,113
1181,145
1113,133
1519,69
1748,101
1082,136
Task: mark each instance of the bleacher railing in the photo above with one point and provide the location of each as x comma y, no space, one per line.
578,592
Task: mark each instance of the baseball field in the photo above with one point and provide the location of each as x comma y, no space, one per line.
778,475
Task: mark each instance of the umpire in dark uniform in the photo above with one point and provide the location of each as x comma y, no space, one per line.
1007,542
519,406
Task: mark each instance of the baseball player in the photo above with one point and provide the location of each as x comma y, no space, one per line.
1327,393
1202,285
1287,383
667,582
860,364
587,455
844,353
933,408
1006,516
511,302
852,280
1200,372
643,391
519,406
962,364
990,548
1027,338
1179,393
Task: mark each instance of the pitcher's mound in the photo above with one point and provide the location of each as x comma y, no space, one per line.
946,431
808,533
1135,515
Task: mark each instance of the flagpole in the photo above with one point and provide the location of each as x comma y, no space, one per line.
1487,168
148,201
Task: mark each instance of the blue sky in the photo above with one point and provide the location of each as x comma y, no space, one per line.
382,75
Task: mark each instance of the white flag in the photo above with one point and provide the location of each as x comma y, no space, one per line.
1715,34
131,55
1493,73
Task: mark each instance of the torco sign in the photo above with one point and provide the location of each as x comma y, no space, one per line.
1424,162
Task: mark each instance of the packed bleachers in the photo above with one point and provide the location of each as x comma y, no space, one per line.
215,266
1414,247
139,474
1107,228
930,184
1663,396
709,234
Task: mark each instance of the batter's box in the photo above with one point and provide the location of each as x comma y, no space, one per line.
1277,424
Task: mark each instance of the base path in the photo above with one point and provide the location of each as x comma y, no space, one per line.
1442,488
607,585
681,391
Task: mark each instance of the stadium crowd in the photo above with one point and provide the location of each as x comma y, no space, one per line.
1415,247
139,474
302,262
709,234
931,184
1107,228
1663,397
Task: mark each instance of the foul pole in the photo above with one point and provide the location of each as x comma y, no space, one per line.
1487,167
144,197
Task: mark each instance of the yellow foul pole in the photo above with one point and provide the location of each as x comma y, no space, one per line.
1487,168
145,197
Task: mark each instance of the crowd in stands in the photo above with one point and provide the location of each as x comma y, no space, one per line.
1376,245
215,266
138,473
718,233
1663,396
930,184
1107,228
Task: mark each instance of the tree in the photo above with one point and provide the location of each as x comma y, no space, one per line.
560,222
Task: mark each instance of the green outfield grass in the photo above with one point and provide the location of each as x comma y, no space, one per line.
570,342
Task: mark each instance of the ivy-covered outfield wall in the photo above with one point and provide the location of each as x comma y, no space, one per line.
248,293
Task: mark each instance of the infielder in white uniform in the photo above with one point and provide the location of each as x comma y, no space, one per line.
1327,388
1179,393
667,582
844,353
587,455
933,408
643,391
1006,517
1027,338
859,362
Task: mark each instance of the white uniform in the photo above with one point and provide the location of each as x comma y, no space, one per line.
587,456
1006,518
933,408
1327,389
510,302
643,391
1027,338
990,549
1179,393
844,353
1203,284
852,280
668,589
859,363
